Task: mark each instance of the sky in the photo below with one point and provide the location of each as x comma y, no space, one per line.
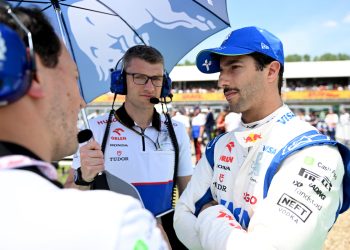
312,27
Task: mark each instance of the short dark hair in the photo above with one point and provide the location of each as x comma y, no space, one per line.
262,60
45,41
144,52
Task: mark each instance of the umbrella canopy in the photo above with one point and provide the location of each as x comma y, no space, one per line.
98,32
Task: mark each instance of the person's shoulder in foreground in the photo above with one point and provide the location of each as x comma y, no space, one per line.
39,105
275,182
103,219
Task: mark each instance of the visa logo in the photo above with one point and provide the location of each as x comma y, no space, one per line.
286,118
269,149
241,215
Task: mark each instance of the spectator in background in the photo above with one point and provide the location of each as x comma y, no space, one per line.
220,122
209,124
343,127
181,116
313,119
198,122
232,121
331,120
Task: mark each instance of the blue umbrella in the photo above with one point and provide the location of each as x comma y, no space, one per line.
98,32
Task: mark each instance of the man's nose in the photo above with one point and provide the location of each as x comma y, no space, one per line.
149,83
223,81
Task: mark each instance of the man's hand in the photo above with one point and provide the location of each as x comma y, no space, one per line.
91,160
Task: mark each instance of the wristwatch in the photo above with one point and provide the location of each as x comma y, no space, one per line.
78,178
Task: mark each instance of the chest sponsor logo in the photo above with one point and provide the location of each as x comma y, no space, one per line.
230,146
119,158
228,159
223,167
251,199
118,145
286,117
221,177
103,122
269,149
307,174
117,134
220,187
118,131
295,207
252,138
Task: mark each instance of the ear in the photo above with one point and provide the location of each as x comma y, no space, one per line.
273,71
36,88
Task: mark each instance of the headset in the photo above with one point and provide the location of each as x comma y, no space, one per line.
16,65
118,82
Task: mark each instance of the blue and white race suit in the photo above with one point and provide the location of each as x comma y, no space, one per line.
293,210
144,158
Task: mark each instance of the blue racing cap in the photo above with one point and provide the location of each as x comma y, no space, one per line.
13,66
241,42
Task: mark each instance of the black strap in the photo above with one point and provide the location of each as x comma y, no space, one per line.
100,181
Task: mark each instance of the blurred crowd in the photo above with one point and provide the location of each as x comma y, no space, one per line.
336,125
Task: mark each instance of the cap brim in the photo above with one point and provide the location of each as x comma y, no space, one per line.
208,62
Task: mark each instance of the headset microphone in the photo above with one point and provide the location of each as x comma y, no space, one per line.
154,100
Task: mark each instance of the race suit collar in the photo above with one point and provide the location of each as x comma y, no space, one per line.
261,122
129,122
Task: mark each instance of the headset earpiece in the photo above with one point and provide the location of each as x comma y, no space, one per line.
118,79
16,71
166,88
118,82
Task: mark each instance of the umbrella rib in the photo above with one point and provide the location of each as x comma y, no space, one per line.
23,1
133,30
82,8
212,12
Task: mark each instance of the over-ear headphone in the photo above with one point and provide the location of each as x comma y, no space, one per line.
118,82
16,66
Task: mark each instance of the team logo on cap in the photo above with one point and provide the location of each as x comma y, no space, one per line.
3,48
206,64
264,46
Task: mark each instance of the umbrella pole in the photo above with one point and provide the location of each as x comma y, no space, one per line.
84,116
60,21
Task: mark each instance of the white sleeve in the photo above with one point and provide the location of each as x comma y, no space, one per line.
299,210
138,230
197,191
185,162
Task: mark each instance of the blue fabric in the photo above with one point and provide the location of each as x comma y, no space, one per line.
155,196
207,197
209,150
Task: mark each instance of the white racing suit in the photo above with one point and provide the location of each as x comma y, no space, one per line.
270,194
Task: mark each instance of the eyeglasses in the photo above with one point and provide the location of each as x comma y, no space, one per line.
141,79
